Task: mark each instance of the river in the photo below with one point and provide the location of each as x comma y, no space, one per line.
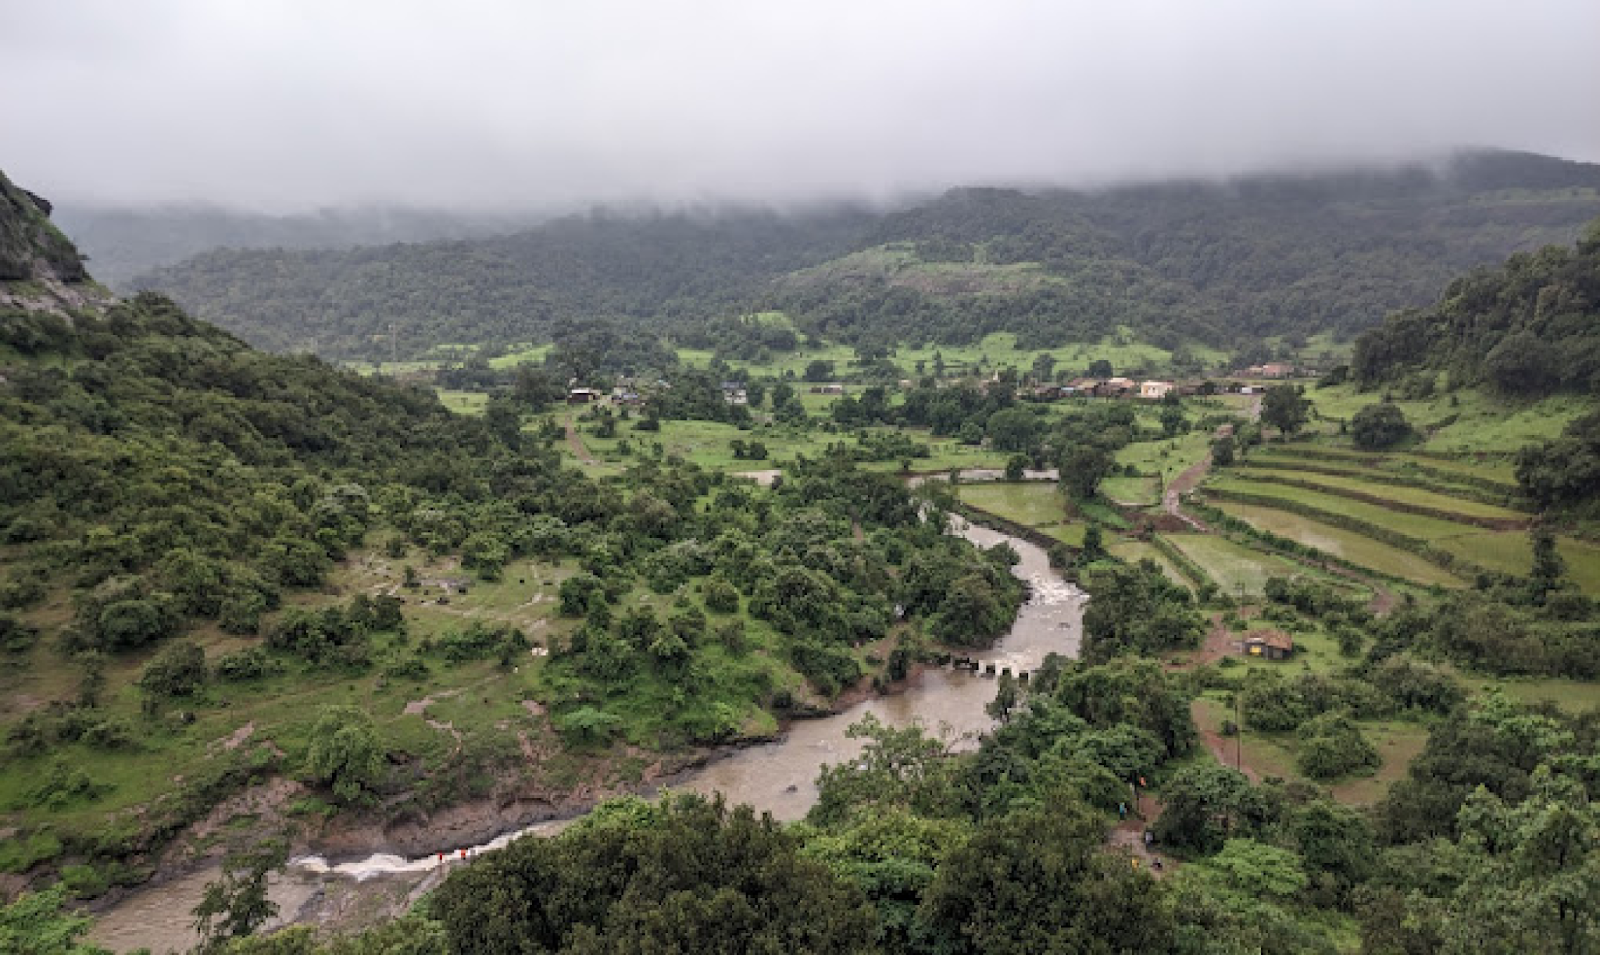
778,777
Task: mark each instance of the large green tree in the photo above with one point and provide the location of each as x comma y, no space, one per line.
1039,880
1286,408
346,754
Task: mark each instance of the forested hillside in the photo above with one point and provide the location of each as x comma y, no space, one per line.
124,240
1527,328
527,287
1213,263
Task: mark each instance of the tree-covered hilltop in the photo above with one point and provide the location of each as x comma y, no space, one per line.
1215,263
1527,328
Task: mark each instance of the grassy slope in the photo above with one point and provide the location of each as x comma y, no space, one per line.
481,702
1462,422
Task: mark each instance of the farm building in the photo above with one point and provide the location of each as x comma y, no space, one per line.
1271,644
582,396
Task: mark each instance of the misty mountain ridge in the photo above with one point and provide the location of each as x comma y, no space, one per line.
1180,261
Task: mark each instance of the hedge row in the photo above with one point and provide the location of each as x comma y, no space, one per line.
1186,564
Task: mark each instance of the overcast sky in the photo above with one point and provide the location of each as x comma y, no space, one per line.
285,104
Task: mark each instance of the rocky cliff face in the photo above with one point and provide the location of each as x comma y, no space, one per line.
40,269
29,244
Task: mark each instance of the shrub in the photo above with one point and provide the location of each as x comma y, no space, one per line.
1379,426
1331,745
252,664
720,595
178,670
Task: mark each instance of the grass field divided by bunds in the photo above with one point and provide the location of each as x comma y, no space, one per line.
1238,570
1035,504
1472,480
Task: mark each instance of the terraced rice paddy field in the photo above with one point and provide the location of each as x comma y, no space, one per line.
1494,471
1362,485
1466,509
1240,570
1341,543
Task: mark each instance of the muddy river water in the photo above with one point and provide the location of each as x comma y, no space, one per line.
778,777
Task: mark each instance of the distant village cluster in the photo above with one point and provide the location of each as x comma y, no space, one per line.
626,392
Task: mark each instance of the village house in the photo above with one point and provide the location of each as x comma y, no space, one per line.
1155,389
1270,644
734,393
1273,369
583,396
1116,387
827,389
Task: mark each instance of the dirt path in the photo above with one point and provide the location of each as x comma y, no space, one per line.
1383,599
575,442
1172,499
1224,749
